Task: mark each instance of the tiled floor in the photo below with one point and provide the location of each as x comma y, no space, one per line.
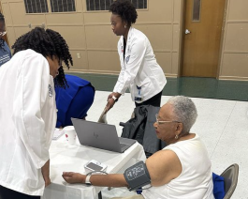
222,125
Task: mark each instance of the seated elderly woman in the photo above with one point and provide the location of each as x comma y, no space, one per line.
181,170
74,100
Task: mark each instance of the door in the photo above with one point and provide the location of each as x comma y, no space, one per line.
202,37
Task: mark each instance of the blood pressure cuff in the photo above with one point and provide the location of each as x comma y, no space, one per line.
137,176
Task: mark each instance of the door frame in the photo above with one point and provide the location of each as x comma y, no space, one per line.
183,27
222,40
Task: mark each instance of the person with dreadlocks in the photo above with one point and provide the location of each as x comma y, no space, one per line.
5,53
28,111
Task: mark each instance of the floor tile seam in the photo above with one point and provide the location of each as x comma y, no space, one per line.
224,128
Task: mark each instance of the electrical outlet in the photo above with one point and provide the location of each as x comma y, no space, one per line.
78,55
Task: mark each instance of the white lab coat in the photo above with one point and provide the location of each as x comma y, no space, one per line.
139,68
27,121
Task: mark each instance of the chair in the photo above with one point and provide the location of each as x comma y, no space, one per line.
230,176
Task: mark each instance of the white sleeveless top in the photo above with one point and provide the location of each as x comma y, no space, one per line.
195,181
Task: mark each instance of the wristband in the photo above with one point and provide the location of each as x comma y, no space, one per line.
87,179
114,98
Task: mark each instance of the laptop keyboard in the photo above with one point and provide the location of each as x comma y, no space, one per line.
122,145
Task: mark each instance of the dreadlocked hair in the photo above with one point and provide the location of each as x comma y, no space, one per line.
49,43
62,50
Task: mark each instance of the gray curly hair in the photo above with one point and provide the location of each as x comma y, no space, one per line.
184,111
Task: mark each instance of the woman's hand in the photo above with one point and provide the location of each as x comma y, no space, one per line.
47,182
111,100
72,177
110,104
45,173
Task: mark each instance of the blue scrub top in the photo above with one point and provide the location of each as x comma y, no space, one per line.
71,102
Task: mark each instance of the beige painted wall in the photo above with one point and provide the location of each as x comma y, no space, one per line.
90,38
93,45
234,56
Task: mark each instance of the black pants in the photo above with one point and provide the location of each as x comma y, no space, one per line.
10,194
154,101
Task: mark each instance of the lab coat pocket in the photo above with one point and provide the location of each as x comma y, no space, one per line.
34,176
37,181
143,83
141,88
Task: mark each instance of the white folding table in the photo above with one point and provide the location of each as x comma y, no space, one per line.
65,157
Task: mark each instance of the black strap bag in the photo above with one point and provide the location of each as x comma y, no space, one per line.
140,128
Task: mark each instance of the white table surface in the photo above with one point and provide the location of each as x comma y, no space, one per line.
66,157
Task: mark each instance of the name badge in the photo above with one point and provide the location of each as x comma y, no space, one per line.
127,58
50,90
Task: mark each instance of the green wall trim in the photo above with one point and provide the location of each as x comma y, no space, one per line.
188,86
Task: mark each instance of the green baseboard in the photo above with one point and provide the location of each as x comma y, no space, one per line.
188,86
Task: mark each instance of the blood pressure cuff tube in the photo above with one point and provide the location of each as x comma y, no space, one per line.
137,176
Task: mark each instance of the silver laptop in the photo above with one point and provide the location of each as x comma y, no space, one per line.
103,136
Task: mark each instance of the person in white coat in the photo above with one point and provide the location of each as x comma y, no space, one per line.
140,71
28,111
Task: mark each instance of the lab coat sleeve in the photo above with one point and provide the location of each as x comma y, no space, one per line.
133,63
33,81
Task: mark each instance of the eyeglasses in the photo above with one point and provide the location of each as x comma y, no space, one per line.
163,122
3,33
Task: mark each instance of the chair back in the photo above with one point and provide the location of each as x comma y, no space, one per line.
230,176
